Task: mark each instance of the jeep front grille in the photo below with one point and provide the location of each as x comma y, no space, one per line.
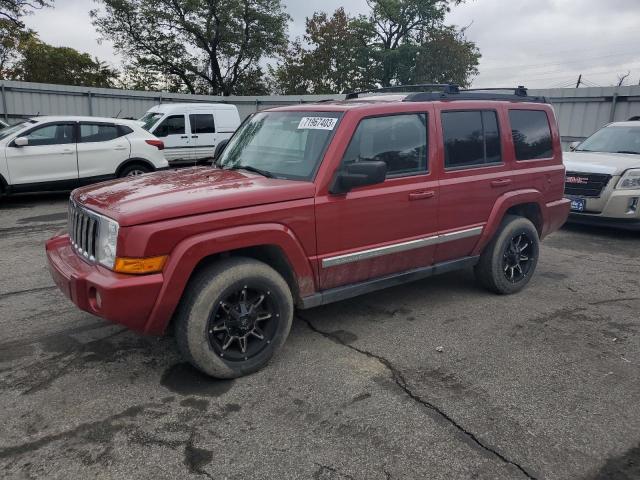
585,184
83,231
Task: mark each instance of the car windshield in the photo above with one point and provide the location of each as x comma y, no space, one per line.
281,144
5,132
613,139
149,119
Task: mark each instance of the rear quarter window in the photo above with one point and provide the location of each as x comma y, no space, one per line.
531,134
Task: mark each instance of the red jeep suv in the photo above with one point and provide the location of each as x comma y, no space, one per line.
311,204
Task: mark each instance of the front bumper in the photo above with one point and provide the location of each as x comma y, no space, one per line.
601,221
614,208
124,299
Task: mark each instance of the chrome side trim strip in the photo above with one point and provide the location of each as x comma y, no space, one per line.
400,247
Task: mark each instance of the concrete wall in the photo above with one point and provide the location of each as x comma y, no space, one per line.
580,111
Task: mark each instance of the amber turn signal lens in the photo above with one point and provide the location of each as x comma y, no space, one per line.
140,266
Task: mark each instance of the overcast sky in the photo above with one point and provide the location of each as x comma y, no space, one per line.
537,43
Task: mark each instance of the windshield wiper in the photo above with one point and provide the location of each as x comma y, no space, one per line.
249,168
628,151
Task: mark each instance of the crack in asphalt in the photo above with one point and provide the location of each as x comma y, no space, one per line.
329,468
28,290
614,300
401,382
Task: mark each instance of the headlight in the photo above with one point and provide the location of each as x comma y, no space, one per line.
630,179
107,240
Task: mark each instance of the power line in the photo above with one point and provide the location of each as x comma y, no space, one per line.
583,59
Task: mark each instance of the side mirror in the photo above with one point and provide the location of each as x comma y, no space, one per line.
220,148
358,174
21,142
574,145
161,131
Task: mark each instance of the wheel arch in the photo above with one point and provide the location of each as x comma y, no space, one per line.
526,203
133,161
273,244
4,185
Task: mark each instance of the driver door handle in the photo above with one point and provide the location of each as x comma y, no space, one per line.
422,195
68,151
184,136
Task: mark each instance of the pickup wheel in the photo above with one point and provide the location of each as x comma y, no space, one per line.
234,316
509,261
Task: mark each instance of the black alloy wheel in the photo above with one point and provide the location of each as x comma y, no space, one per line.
244,323
518,258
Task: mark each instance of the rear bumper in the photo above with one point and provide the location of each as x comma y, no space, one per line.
555,215
124,299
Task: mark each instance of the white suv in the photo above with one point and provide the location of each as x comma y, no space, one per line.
61,153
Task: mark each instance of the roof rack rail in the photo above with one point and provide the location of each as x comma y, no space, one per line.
447,88
519,94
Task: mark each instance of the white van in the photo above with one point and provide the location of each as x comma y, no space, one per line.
191,131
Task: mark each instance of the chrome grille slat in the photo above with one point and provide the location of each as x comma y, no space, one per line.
83,231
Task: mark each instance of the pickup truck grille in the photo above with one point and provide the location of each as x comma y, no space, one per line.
585,184
83,231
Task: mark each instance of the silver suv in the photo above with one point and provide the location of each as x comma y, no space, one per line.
603,177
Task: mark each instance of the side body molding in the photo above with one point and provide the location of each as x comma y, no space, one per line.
187,254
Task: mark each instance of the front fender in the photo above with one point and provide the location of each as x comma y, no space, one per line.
190,252
504,203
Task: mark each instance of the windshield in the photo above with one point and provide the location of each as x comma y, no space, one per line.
281,144
5,132
149,119
613,139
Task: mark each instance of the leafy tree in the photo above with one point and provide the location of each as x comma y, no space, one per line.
400,42
13,32
207,46
335,60
14,10
62,65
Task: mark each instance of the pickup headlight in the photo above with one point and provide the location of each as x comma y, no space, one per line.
630,179
106,242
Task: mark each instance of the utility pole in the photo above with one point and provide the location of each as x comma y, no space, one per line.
579,81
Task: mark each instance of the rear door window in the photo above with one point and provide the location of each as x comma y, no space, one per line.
98,132
202,123
531,134
471,138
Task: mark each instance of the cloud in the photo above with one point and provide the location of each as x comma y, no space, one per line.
539,43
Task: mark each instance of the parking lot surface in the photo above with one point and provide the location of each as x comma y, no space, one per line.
543,384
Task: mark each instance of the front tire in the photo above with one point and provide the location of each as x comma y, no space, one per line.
234,316
509,261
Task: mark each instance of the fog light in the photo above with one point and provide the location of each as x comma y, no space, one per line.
140,266
633,206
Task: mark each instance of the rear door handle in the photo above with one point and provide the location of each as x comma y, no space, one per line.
194,136
68,151
120,147
422,195
501,183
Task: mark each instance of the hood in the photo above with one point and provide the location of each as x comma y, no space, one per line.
178,193
600,162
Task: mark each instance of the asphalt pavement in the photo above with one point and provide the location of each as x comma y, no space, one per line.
437,379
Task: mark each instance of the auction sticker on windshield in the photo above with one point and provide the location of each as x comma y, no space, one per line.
317,123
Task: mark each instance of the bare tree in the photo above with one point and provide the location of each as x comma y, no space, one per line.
622,78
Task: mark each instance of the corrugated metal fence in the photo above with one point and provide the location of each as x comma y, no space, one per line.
580,111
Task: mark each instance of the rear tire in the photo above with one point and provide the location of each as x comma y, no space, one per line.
134,170
234,316
509,261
